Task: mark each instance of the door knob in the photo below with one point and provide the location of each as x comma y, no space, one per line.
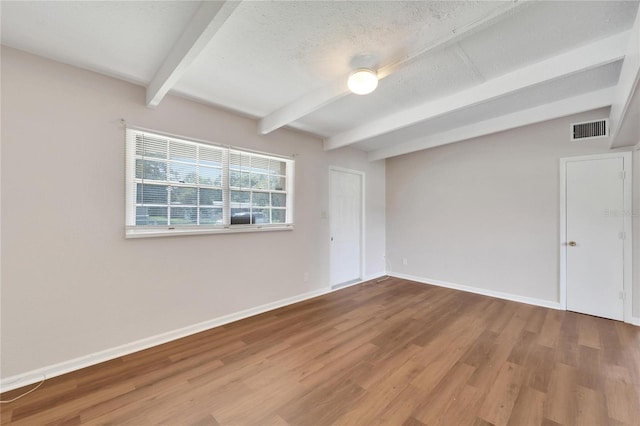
572,243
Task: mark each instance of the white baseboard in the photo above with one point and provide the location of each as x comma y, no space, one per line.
35,376
492,293
482,291
356,282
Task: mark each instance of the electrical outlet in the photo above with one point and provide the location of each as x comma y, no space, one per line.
404,261
306,277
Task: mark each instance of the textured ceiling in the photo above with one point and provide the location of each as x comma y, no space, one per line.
271,53
122,39
266,57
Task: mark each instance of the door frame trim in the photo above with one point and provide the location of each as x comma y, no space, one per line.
362,217
627,158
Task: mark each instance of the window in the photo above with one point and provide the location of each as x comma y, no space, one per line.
179,186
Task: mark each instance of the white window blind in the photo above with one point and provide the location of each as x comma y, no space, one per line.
177,186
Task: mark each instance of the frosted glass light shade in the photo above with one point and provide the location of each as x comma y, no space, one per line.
362,81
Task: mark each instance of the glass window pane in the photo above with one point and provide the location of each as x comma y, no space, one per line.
210,197
234,178
277,183
259,181
279,200
261,216
139,169
182,152
278,216
259,164
260,199
238,179
151,147
180,195
183,173
239,160
210,156
277,167
234,160
242,197
180,182
245,181
151,170
210,176
209,216
142,215
151,194
240,216
184,216
157,216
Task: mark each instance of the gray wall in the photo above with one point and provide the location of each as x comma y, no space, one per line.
72,285
485,212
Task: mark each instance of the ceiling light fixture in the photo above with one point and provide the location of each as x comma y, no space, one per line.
362,81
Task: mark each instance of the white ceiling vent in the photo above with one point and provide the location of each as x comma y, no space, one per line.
590,130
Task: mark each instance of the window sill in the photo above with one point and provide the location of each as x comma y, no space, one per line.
174,232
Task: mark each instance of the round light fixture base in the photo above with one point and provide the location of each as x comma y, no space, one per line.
362,81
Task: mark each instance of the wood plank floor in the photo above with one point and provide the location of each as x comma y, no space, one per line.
393,352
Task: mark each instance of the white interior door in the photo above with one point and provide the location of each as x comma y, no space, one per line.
345,223
594,237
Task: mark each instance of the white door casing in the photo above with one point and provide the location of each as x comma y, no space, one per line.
346,221
596,235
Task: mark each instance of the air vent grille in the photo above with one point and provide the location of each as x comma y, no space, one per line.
589,130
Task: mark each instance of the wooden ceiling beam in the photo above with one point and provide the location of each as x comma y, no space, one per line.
593,55
204,25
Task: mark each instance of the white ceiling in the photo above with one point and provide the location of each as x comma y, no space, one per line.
445,64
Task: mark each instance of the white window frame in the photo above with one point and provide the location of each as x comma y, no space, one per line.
132,230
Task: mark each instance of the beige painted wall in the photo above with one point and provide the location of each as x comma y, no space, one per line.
636,231
72,285
485,213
